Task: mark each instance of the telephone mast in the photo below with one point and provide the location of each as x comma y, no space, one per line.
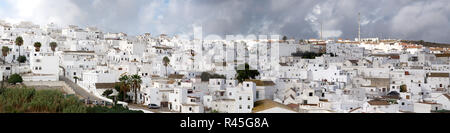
359,26
321,30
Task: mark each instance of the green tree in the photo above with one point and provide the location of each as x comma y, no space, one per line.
242,75
117,87
136,85
19,42
166,62
15,78
284,38
37,46
22,59
53,46
5,52
108,92
125,85
205,76
306,55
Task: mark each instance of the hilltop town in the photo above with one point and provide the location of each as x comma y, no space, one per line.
276,75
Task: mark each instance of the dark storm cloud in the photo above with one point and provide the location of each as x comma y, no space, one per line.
406,19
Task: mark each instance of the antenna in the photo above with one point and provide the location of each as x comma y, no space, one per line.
321,30
359,26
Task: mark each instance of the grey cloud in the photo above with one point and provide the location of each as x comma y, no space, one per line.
406,19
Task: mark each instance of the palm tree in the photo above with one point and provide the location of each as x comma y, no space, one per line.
53,45
136,85
166,62
124,85
19,42
5,52
37,46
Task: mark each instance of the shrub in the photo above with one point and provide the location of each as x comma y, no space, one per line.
22,59
205,76
107,93
23,100
46,101
115,109
14,100
15,78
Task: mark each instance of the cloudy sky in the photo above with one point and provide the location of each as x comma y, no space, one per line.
407,19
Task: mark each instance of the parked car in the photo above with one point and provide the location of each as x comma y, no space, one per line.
109,104
153,106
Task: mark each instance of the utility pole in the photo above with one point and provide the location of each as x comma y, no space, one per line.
321,30
359,26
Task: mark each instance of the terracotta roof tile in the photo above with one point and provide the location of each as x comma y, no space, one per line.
378,102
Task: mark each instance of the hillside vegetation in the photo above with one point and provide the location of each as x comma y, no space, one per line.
26,100
427,44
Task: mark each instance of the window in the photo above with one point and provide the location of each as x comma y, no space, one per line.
74,73
249,98
248,85
240,106
190,108
240,97
257,94
310,94
248,106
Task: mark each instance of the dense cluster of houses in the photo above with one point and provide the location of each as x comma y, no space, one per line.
367,76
